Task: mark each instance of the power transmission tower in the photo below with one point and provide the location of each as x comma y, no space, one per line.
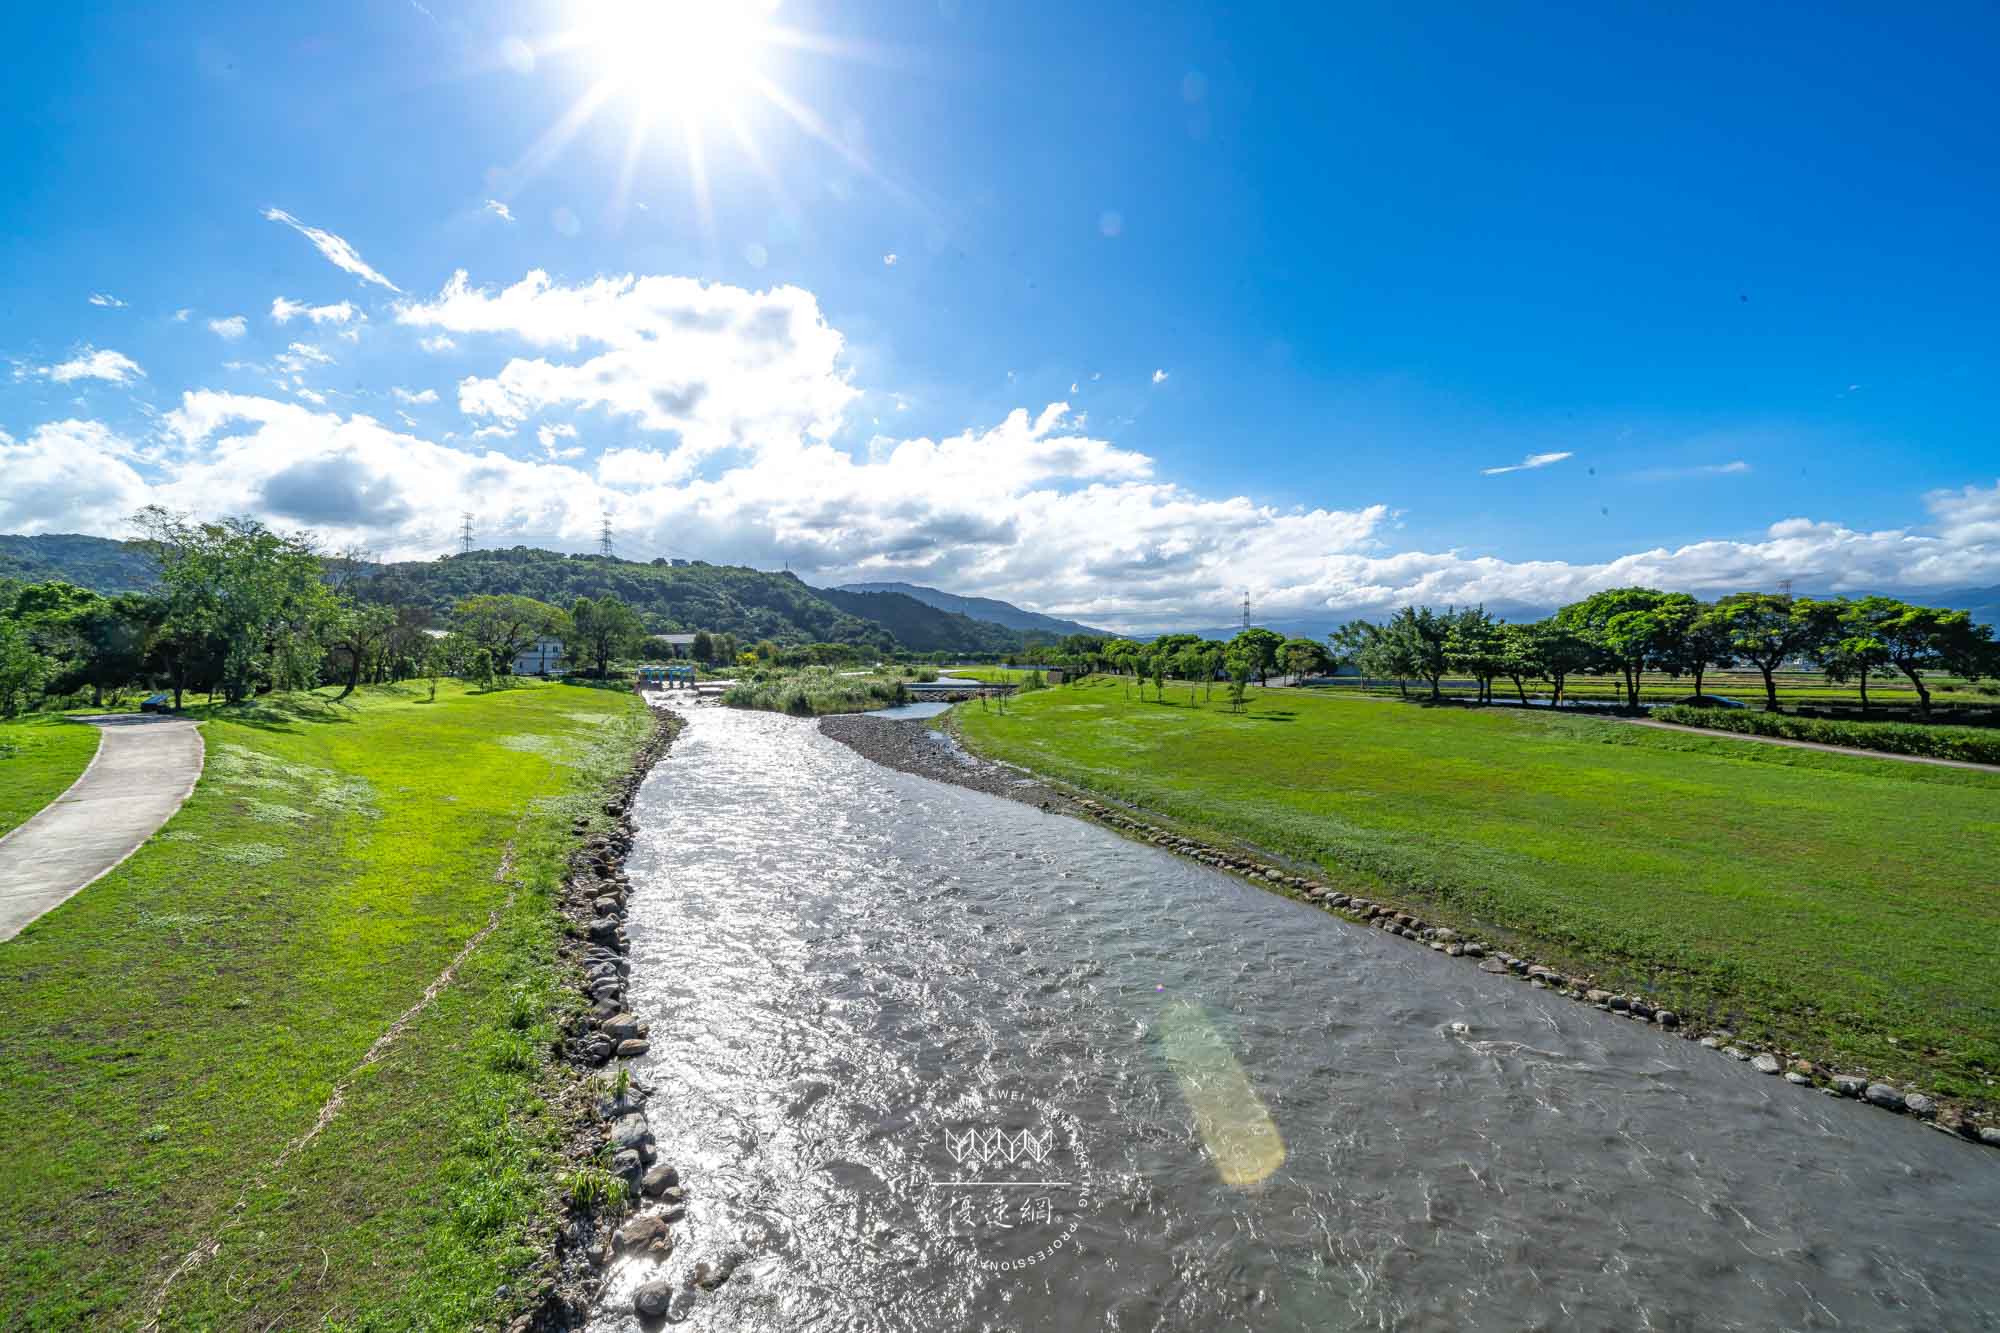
465,532
1785,589
1246,608
604,537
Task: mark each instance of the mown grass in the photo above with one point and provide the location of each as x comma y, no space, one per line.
40,756
991,675
171,1029
1840,905
1978,745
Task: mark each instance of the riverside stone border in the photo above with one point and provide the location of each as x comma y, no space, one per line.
1407,924
608,1121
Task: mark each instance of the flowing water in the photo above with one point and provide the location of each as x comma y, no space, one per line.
932,1060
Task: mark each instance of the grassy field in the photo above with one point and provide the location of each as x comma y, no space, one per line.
169,1031
1844,906
990,674
39,757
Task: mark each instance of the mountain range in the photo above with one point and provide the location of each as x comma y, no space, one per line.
988,609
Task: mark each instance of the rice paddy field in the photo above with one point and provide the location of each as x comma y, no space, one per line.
1842,906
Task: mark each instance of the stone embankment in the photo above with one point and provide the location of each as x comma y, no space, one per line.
1402,922
907,747
622,1202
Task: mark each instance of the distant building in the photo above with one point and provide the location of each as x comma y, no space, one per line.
679,645
543,658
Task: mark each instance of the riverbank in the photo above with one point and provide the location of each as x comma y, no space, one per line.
289,1064
911,747
1829,909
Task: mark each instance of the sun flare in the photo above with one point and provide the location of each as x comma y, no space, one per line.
694,58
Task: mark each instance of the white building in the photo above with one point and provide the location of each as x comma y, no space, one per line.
543,658
680,645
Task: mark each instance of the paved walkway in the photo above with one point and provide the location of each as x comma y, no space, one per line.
1811,745
145,767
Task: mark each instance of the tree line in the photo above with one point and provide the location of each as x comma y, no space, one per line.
1622,632
240,609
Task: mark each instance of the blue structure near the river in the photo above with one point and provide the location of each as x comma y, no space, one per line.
667,676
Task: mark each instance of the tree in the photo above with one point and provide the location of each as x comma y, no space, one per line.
22,669
703,649
240,597
1692,638
1555,652
1421,639
1625,626
1240,667
1474,644
1768,630
1160,677
1303,657
503,624
1374,652
1916,639
1259,647
1852,655
603,629
360,632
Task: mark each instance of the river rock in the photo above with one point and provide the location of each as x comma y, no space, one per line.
1475,951
1796,1079
1445,933
658,1181
1640,1009
1849,1085
620,1026
1495,966
1455,950
627,1164
602,927
640,1232
629,1131
1765,1064
1339,899
1881,1094
1598,996
1736,1053
653,1300
1919,1105
1666,1018
1990,1135
632,1046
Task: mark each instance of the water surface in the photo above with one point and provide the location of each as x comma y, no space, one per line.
1255,1115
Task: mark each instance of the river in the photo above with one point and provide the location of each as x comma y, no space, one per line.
929,1059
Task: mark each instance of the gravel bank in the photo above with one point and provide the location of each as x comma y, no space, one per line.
912,747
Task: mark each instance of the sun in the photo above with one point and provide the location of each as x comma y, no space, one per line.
695,59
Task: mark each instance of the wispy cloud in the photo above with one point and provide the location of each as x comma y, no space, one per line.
284,311
1528,463
499,210
230,329
441,342
91,363
890,259
420,396
336,249
1730,469
107,300
181,315
1159,377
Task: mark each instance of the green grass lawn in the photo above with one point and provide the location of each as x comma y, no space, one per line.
39,757
1845,906
171,1029
991,675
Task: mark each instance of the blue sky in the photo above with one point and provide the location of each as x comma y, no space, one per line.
1304,280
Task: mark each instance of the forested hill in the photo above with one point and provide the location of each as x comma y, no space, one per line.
749,603
990,609
922,628
89,562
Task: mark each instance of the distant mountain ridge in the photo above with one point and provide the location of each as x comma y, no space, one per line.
97,563
989,609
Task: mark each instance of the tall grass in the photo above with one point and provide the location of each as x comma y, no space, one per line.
815,691
1979,745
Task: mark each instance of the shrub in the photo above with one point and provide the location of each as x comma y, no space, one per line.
1975,744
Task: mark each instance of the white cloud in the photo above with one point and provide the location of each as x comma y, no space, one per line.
68,476
1731,469
283,311
1530,462
298,356
229,329
718,365
314,397
1159,377
442,342
336,249
890,260
499,210
181,315
107,300
91,363
548,435
420,396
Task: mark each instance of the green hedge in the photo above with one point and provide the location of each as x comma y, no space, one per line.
1976,744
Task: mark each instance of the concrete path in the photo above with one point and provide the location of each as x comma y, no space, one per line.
1810,745
145,767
